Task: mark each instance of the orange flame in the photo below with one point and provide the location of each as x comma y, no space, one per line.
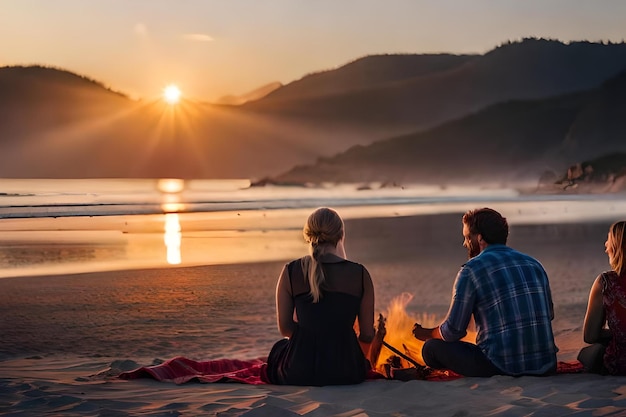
399,326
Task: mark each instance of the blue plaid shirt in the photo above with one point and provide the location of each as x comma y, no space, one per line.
509,295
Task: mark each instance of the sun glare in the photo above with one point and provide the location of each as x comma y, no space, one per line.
171,94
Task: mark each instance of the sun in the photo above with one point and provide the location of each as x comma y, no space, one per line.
171,94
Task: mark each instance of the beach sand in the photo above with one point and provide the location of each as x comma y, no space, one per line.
63,339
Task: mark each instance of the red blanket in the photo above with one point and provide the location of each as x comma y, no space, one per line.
180,370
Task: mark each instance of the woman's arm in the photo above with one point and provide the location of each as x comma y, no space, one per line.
593,328
366,314
285,305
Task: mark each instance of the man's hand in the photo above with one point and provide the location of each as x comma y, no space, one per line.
422,333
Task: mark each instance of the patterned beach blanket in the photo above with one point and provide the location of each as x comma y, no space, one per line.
180,370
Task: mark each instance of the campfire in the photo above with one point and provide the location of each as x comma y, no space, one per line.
394,346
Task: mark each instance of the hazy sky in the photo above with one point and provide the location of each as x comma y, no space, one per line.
211,48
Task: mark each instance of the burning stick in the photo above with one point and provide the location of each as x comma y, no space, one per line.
393,368
377,343
402,355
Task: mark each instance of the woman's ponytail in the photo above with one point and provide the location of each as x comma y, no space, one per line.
324,229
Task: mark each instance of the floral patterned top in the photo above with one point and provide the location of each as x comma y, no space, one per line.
614,301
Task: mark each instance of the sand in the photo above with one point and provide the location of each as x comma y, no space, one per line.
63,339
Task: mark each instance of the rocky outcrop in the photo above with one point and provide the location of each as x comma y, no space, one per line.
606,174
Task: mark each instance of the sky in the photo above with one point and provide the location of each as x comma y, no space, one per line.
212,48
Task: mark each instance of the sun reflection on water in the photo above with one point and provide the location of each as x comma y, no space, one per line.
171,205
172,238
171,185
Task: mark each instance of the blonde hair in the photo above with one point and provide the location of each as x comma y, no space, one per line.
618,244
323,229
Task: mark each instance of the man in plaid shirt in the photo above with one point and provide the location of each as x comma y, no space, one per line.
508,294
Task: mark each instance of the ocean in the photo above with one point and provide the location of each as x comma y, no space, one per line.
50,227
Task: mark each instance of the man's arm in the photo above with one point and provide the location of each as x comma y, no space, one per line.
549,294
459,314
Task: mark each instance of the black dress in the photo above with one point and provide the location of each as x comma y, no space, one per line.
323,349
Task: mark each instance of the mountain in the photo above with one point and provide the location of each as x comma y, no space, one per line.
433,89
601,124
507,143
255,94
366,73
57,124
37,98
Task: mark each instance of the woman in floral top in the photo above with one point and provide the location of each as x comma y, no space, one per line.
607,306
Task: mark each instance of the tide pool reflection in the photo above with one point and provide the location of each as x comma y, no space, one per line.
172,238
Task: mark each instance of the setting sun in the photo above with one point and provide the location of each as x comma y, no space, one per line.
171,94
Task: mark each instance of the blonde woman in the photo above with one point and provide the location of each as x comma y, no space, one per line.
605,320
318,299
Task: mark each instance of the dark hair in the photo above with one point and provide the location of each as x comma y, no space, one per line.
489,224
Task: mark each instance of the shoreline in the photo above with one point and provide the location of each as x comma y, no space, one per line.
58,245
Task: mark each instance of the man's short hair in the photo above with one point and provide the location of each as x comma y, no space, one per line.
489,224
